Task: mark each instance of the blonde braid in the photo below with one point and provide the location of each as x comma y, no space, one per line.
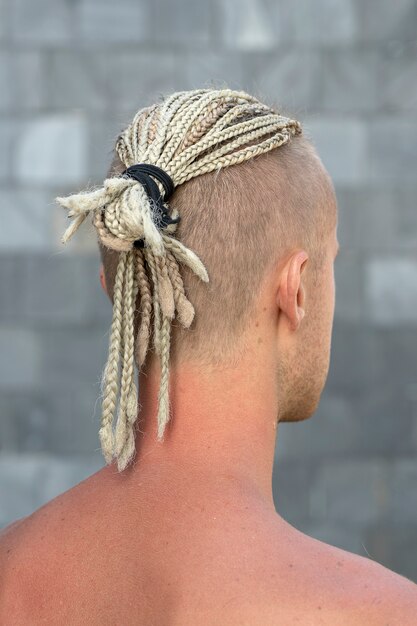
128,396
166,293
184,307
163,397
145,310
110,375
150,259
188,134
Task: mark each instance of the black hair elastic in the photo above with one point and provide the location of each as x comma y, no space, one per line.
143,172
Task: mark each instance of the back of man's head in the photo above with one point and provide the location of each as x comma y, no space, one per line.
228,226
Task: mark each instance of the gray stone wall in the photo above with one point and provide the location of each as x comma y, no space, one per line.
72,73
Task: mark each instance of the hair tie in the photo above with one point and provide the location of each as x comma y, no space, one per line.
143,172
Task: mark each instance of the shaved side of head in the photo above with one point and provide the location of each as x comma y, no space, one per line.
241,221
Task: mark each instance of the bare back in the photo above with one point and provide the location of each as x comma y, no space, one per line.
82,559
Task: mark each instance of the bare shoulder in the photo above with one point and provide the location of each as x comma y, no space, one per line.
30,549
9,545
389,598
339,588
59,564
285,577
33,571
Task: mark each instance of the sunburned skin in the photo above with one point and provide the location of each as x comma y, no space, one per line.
182,554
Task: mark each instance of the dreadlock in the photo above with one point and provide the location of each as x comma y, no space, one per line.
189,134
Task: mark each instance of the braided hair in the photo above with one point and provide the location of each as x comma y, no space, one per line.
190,133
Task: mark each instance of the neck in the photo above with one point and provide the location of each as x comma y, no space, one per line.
222,430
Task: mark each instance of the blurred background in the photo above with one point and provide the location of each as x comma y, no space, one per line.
72,74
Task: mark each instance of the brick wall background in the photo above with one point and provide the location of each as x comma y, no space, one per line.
72,73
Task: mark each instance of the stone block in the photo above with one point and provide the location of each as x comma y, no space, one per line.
103,131
211,69
4,20
98,308
350,491
349,281
127,21
349,80
397,90
11,280
392,150
384,20
64,422
286,78
377,219
330,432
74,420
353,358
340,25
346,197
28,81
395,354
291,482
62,290
391,290
342,145
411,391
43,22
403,205
183,23
24,424
402,489
382,414
26,212
73,356
5,82
251,25
141,78
19,358
375,420
52,150
77,79
7,141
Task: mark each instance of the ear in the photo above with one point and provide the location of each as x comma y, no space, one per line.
103,279
291,292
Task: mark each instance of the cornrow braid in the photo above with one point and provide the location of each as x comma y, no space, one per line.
188,134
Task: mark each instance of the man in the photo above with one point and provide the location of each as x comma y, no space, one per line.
188,534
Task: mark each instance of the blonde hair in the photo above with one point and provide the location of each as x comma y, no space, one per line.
189,134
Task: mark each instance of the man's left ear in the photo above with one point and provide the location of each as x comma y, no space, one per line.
103,279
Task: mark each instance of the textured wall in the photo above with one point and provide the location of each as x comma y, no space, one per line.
72,73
